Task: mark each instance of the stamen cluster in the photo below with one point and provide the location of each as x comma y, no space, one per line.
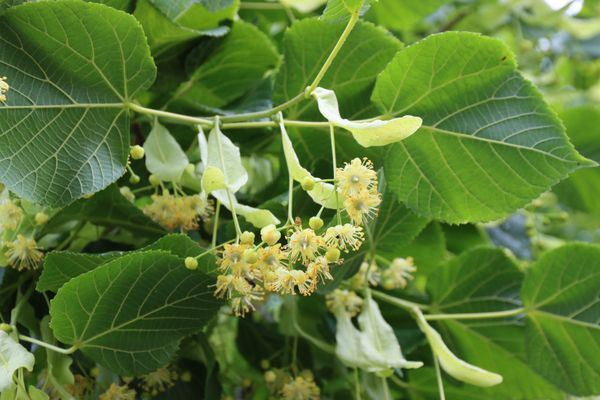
357,182
4,88
178,212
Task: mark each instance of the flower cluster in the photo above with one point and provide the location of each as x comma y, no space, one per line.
118,392
341,299
4,88
175,212
248,272
158,381
357,182
23,253
10,215
394,275
284,386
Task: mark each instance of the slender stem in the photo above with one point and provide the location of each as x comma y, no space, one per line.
238,231
265,113
267,124
356,384
386,389
295,355
21,300
216,224
65,243
290,199
49,346
399,382
335,186
318,343
169,115
252,5
484,315
438,376
334,52
408,305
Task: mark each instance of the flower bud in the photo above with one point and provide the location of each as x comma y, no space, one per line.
270,235
264,363
41,218
315,223
134,179
308,183
190,168
5,327
154,180
186,376
332,255
213,179
191,263
247,238
270,377
250,256
136,152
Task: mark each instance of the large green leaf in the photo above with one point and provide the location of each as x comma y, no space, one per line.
488,145
486,280
306,46
62,266
129,314
235,65
108,208
560,293
73,67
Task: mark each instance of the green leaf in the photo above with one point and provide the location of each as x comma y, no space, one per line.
116,313
108,208
428,249
73,67
62,266
488,145
401,16
237,63
486,280
306,46
13,356
560,293
164,156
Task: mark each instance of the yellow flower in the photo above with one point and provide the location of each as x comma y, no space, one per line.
318,269
245,294
178,212
345,237
224,286
302,281
158,381
232,259
118,392
301,388
4,88
368,274
304,244
80,388
23,253
10,215
283,282
272,257
344,300
362,206
398,273
356,176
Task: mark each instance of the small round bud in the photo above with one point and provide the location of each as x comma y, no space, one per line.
41,218
5,327
332,255
88,196
191,263
270,377
154,181
190,168
315,223
134,179
270,235
250,256
264,363
247,238
308,183
388,284
136,152
95,372
213,179
186,376
246,383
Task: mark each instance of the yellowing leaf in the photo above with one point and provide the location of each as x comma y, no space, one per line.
454,366
368,133
164,156
13,356
323,193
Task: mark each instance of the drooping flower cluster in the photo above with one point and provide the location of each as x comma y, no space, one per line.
248,272
282,385
4,88
118,392
159,381
178,212
394,274
342,299
357,182
23,253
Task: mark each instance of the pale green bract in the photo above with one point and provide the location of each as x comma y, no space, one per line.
323,193
454,366
367,133
374,347
164,156
73,68
13,356
304,6
220,153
